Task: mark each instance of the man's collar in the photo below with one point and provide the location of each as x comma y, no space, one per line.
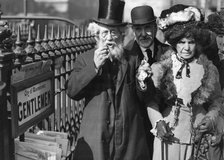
151,48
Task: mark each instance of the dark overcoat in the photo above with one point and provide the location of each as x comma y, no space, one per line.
112,127
159,50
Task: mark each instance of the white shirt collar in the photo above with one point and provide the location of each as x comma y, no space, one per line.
144,50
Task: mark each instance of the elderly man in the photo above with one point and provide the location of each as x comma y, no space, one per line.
145,29
112,126
147,48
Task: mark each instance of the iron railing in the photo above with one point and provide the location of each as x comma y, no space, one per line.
21,43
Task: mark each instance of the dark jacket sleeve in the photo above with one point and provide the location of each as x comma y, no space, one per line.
81,78
221,73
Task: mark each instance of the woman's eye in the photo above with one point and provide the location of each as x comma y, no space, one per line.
192,42
181,42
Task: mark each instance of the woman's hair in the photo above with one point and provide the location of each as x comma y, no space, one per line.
178,31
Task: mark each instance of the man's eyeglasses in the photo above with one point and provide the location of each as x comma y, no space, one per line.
113,33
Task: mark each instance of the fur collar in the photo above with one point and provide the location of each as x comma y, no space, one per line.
163,79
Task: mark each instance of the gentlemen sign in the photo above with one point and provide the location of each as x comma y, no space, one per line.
32,101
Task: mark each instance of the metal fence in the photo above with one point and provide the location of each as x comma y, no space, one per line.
25,40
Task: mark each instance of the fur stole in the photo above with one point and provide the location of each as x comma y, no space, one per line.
163,80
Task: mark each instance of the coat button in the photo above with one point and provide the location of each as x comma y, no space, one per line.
108,122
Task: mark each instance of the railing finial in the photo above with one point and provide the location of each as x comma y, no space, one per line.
45,34
29,40
52,33
69,32
58,33
38,34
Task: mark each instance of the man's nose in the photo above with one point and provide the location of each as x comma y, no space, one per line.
146,32
143,32
109,36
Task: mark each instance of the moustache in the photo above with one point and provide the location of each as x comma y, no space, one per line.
116,52
146,38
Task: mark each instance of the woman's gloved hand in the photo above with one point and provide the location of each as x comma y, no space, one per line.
206,125
163,130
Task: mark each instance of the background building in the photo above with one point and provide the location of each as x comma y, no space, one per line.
79,10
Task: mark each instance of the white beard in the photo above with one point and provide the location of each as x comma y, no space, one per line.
116,52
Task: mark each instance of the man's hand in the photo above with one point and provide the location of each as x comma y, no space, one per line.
163,130
100,56
206,125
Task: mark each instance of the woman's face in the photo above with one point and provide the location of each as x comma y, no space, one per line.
220,41
186,48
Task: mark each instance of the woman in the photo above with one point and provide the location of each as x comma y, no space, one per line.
189,85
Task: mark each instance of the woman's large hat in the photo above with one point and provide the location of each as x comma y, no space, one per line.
142,15
178,20
110,13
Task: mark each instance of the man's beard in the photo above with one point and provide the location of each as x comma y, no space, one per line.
116,51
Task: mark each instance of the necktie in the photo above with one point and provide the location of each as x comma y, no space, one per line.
184,63
149,54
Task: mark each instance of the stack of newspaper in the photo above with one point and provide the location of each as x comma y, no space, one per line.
44,145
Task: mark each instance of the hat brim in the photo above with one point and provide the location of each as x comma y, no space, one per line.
142,22
107,22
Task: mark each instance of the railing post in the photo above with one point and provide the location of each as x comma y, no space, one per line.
6,61
25,7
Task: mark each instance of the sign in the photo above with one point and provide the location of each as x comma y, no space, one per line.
31,70
32,101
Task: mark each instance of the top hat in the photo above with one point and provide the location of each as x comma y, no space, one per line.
110,13
142,15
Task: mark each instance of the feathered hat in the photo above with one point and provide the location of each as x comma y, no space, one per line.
178,20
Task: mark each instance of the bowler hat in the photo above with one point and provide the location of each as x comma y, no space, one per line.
142,15
110,13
